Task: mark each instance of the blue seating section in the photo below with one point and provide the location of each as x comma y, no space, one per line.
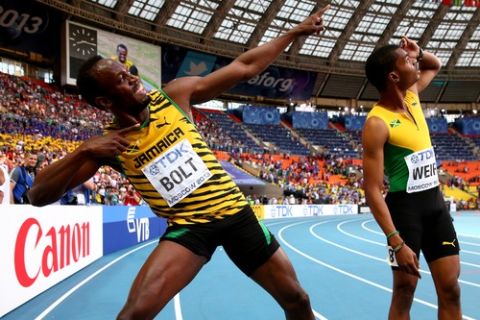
280,137
335,142
233,129
450,146
345,144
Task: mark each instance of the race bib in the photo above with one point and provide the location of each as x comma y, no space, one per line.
391,259
422,171
177,172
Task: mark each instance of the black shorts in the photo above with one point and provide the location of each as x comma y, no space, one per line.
247,241
424,222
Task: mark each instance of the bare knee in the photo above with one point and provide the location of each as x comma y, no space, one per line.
404,290
449,292
296,299
145,304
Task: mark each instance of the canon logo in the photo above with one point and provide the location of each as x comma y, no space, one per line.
58,249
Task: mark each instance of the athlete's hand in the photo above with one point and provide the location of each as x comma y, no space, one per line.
407,261
313,24
410,46
109,145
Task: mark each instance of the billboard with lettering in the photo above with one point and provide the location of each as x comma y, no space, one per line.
275,82
27,26
125,226
40,247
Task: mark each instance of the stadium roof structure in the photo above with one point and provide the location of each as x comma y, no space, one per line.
353,30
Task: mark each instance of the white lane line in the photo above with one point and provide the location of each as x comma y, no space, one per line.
470,243
93,275
348,274
178,307
339,228
364,226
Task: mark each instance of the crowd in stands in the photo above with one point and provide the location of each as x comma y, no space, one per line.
41,119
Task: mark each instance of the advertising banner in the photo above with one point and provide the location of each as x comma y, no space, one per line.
27,26
125,226
310,120
295,211
275,82
40,247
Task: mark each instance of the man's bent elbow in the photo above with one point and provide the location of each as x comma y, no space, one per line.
36,200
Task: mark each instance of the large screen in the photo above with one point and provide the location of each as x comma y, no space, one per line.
83,42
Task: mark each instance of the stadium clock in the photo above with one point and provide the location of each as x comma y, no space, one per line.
82,41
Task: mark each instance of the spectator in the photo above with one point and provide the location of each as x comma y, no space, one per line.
22,179
4,185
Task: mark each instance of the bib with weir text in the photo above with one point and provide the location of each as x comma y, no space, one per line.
177,172
422,171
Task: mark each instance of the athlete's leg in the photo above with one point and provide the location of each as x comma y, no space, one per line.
445,272
278,277
404,285
168,269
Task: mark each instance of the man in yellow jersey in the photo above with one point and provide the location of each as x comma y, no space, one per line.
154,142
413,215
122,56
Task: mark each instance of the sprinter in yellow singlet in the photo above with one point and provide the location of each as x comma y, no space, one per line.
154,142
413,215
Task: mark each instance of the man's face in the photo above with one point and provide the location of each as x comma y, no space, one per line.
122,54
125,91
407,69
31,160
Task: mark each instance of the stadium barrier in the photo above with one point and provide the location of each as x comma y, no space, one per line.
39,247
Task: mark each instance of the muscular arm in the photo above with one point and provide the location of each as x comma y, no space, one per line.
429,68
192,90
429,65
375,134
53,181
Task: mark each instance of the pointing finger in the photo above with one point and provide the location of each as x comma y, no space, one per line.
127,129
322,10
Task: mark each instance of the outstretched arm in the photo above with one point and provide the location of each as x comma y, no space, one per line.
193,90
428,64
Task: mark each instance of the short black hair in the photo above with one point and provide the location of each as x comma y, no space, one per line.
87,84
121,45
379,64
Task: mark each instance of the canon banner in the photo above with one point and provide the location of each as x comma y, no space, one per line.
40,247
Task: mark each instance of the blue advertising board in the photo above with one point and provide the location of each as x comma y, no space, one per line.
310,120
275,82
125,226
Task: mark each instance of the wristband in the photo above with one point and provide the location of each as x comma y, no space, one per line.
399,247
391,234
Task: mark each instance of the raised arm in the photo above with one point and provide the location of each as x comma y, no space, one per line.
195,90
428,64
375,134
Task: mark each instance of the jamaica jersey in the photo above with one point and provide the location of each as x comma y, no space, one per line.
172,167
409,159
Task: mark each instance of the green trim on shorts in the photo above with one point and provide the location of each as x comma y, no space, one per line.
176,233
265,232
